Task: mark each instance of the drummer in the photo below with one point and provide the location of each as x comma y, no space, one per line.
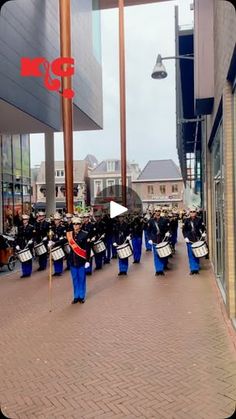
79,259
136,227
157,228
90,229
99,234
58,239
41,232
25,240
193,230
123,231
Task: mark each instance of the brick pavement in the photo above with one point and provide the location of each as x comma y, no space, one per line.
140,347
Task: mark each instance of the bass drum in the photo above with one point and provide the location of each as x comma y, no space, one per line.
163,249
199,249
124,251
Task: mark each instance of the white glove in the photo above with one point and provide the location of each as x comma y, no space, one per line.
87,265
150,242
128,237
50,244
186,239
30,241
115,244
44,239
17,248
93,239
168,234
203,235
102,236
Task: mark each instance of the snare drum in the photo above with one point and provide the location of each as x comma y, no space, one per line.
57,253
199,249
163,249
24,255
99,246
66,248
40,249
124,251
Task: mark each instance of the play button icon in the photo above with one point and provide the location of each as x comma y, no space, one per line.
116,209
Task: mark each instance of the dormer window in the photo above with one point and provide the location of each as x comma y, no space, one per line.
111,166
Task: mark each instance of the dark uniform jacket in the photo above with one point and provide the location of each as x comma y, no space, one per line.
59,235
82,240
157,229
41,230
123,231
136,227
193,229
25,233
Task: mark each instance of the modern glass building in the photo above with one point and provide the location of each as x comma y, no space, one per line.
31,29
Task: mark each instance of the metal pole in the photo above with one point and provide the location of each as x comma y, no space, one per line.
67,104
122,100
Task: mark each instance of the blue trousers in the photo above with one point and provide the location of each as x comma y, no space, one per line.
27,267
43,261
99,259
113,249
194,263
147,245
137,247
123,265
58,266
108,251
79,281
158,262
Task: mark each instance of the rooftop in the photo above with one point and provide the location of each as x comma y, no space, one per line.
160,170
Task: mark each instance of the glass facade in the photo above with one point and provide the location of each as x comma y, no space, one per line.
96,24
218,201
15,179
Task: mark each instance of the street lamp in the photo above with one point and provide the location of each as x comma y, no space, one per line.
159,71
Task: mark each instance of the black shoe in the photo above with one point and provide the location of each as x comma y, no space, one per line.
88,273
56,274
75,301
196,272
40,269
157,273
114,257
122,273
82,300
192,273
98,269
67,268
106,262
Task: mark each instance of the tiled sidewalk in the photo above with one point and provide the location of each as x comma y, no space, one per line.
140,347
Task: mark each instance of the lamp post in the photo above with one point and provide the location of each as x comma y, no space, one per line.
122,101
159,71
67,104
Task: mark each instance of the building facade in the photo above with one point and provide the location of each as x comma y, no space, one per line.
26,106
15,179
160,184
214,104
81,186
105,180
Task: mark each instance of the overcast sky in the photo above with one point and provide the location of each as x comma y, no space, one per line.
150,112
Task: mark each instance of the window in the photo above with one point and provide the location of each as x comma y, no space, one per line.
150,190
110,187
97,187
163,189
111,166
59,173
175,188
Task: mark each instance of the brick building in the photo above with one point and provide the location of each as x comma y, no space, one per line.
160,183
212,142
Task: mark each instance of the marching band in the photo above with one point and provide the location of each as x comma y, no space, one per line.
82,239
